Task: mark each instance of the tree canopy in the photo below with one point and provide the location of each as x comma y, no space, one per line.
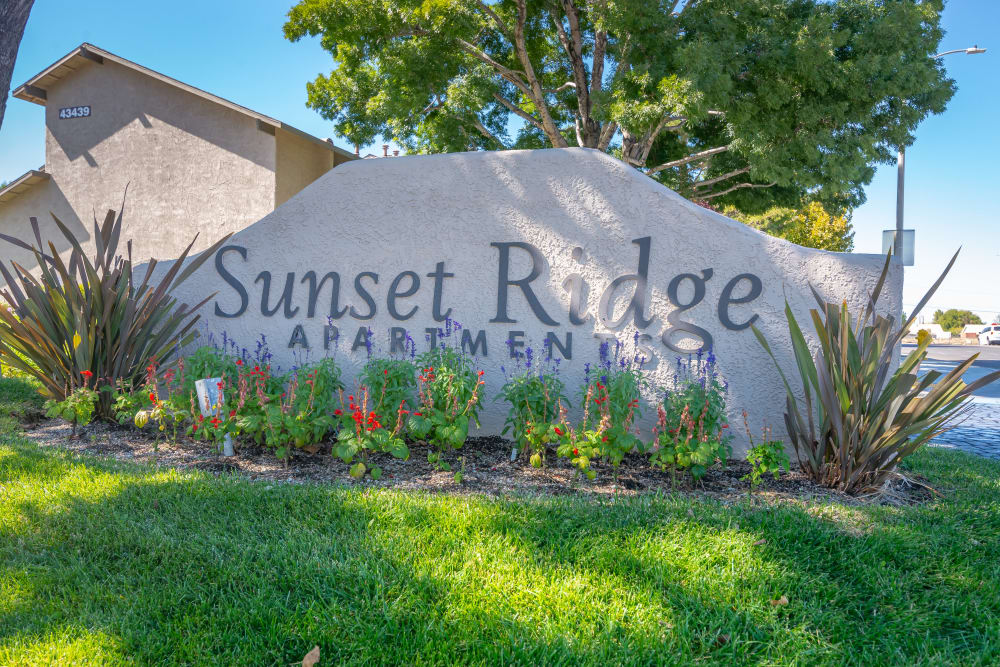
954,320
750,103
811,226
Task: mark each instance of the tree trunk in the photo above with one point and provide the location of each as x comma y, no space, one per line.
13,17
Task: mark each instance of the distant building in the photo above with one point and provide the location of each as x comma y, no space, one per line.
972,330
933,329
192,161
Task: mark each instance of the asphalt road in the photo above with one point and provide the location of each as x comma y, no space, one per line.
978,431
943,358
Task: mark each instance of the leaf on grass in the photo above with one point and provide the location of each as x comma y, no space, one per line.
312,449
780,602
312,657
722,640
760,542
690,512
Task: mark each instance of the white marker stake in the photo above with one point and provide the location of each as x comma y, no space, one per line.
210,399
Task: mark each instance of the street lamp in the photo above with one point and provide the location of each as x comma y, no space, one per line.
897,248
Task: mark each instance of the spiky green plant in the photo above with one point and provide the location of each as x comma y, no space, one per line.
89,316
860,419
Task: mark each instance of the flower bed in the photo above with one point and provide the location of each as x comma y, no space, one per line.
430,403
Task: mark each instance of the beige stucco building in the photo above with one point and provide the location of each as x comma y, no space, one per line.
193,162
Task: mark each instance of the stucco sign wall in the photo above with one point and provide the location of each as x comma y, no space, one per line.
557,259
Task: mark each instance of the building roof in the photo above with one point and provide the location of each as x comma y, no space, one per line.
22,183
34,89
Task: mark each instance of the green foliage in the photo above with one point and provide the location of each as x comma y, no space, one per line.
77,408
811,226
766,457
208,362
91,314
363,431
448,400
691,432
611,408
954,320
795,98
392,382
295,411
534,399
682,442
859,420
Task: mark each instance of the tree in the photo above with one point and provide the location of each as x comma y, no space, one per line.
13,17
811,226
750,103
954,320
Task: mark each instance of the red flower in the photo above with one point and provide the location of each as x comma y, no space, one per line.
338,412
152,397
239,362
604,439
385,372
725,426
480,373
576,452
87,374
194,428
418,414
218,384
558,431
232,413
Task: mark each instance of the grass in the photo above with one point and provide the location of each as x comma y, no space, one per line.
111,563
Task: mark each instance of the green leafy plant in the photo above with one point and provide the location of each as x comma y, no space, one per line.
448,393
860,417
768,456
91,314
364,431
297,411
607,432
163,414
207,362
690,445
391,381
540,436
535,401
77,408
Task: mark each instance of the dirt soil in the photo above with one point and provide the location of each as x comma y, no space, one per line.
488,469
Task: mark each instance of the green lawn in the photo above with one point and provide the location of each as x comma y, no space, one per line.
108,563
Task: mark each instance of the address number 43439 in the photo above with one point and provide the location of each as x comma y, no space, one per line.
74,112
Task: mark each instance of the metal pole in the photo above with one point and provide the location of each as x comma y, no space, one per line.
897,246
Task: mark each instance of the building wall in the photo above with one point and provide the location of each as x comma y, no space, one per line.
41,201
191,166
298,162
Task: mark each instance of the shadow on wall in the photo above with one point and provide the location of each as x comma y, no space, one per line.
41,201
119,95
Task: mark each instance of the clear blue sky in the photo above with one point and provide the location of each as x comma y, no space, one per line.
236,50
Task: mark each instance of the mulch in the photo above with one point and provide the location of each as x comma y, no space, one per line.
488,469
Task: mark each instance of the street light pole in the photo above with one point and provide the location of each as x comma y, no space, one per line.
897,245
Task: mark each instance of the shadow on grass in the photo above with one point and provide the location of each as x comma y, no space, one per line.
160,566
